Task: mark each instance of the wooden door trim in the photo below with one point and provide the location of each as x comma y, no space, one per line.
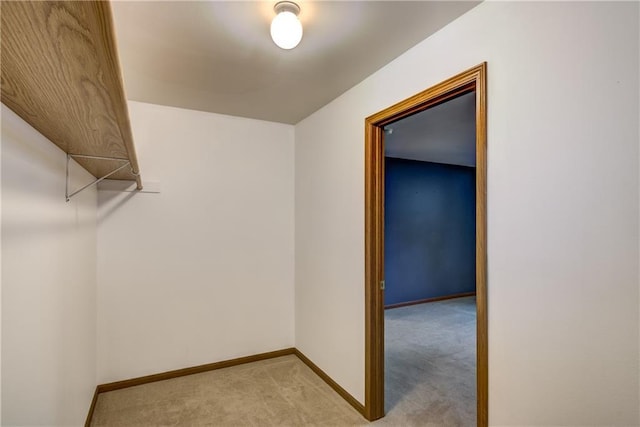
474,79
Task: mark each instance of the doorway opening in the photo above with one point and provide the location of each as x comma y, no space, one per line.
429,265
470,81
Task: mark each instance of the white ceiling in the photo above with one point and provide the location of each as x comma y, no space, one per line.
218,56
445,133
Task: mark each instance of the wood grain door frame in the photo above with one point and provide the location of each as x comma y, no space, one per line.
474,79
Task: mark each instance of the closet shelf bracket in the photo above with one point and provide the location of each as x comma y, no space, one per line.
125,163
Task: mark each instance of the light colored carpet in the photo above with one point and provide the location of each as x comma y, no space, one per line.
430,364
430,381
277,392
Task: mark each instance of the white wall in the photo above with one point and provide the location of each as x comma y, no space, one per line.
562,215
202,271
0,273
48,283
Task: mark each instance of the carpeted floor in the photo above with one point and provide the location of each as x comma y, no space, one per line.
430,381
275,392
430,364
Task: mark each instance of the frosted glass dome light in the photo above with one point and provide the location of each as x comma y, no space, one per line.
286,29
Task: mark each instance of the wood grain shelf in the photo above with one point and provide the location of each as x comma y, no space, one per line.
60,73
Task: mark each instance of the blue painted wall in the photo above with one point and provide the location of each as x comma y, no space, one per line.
429,230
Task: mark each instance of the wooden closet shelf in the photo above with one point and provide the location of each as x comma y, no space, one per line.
60,73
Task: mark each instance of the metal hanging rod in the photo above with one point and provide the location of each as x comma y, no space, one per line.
83,156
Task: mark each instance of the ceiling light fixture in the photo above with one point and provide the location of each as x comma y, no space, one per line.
286,29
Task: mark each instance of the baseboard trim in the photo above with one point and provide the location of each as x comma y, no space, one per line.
434,299
92,408
117,385
334,385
